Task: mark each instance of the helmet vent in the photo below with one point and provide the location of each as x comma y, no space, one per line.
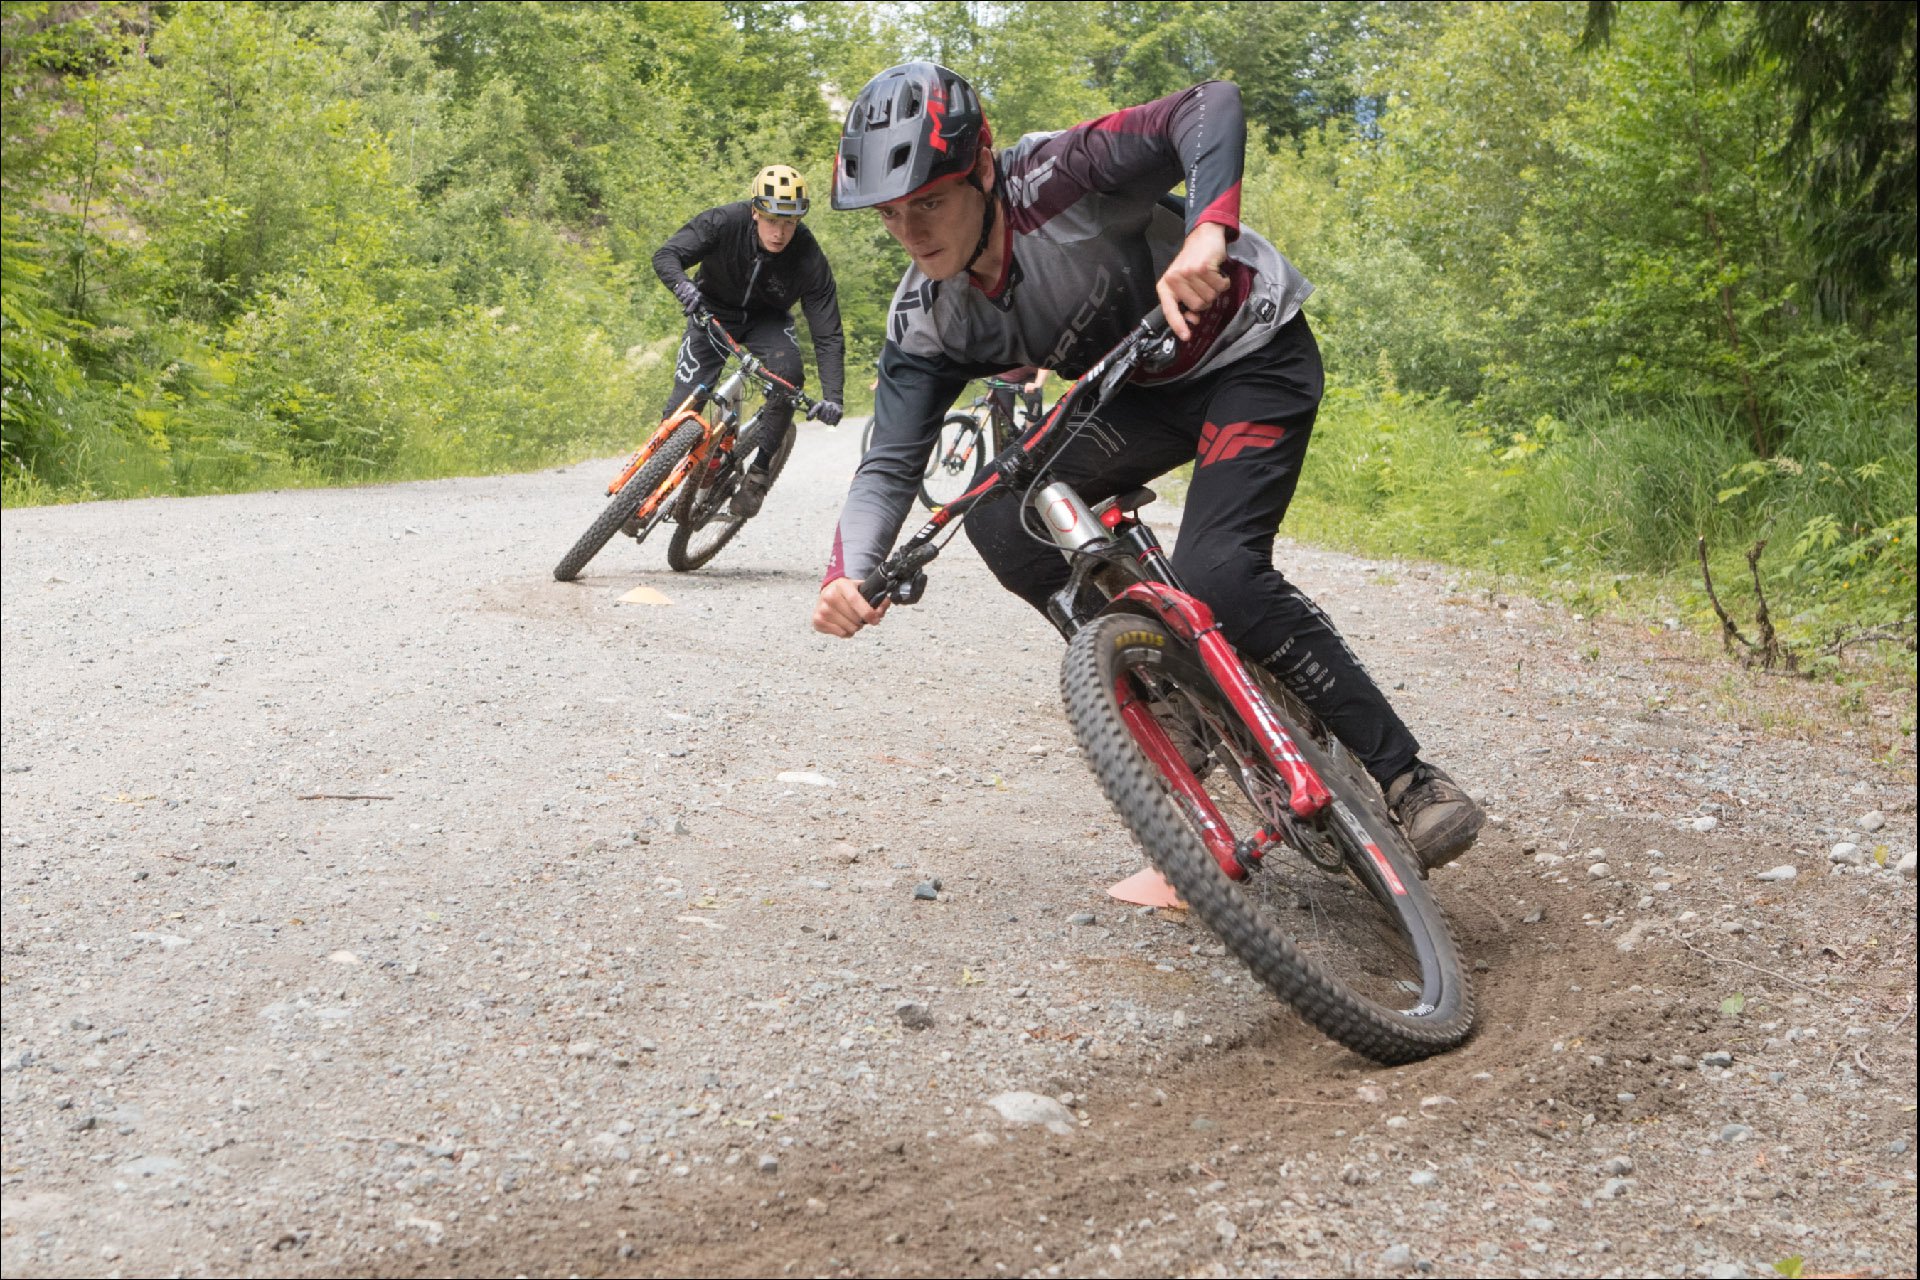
898,156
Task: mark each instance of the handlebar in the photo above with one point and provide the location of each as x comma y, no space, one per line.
1148,345
771,382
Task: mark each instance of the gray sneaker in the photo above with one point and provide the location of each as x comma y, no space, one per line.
1441,820
751,493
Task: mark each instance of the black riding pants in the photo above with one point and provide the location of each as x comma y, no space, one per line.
769,335
1245,428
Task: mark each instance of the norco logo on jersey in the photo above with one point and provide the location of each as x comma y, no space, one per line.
1102,286
1023,190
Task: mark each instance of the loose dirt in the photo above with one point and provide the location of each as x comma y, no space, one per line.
376,905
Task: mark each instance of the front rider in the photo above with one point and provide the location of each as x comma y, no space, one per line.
1047,254
755,260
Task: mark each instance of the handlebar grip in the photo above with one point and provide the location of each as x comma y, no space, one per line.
875,586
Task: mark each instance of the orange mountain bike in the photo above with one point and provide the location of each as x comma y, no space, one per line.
703,441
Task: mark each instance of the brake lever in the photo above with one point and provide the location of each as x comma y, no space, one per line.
910,591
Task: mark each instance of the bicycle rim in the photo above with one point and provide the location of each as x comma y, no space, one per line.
956,461
704,523
1335,920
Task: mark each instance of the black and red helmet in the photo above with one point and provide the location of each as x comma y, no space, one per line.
913,125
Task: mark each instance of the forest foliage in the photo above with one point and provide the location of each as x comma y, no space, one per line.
1593,280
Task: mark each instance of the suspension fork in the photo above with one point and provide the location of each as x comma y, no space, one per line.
685,413
1193,622
1166,757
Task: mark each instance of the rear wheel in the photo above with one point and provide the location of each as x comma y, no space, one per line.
631,497
703,523
957,460
1336,921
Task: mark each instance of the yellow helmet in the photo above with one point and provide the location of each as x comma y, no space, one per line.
780,191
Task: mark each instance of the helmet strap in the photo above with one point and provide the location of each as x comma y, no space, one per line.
986,221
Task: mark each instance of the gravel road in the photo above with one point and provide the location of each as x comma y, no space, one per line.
376,905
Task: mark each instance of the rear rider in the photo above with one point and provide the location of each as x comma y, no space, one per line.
1047,254
755,261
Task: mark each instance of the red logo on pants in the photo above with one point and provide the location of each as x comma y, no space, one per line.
1223,444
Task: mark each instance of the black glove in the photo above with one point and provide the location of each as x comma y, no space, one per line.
827,411
690,298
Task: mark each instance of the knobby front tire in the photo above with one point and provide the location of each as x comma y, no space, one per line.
1349,936
628,500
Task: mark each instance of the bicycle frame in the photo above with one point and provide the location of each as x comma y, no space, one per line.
713,433
1118,565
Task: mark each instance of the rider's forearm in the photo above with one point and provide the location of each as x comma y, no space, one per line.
684,248
829,345
913,393
669,266
1197,136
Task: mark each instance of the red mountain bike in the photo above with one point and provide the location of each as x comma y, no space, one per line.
1271,831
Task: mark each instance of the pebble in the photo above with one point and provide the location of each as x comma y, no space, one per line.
1083,917
1424,1178
1906,865
913,1015
1785,871
584,1049
1612,1189
1872,821
1847,852
1735,1132
1618,1167
1898,1147
1718,1058
1037,749
1021,1107
1599,871
769,1164
805,779
927,891
1398,1258
1704,823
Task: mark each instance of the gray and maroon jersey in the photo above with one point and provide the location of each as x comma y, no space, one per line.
1090,229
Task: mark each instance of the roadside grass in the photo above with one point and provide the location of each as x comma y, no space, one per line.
1600,511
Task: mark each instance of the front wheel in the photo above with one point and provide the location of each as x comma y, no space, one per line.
956,462
628,500
1336,921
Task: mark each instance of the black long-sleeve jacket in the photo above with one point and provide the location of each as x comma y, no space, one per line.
738,276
